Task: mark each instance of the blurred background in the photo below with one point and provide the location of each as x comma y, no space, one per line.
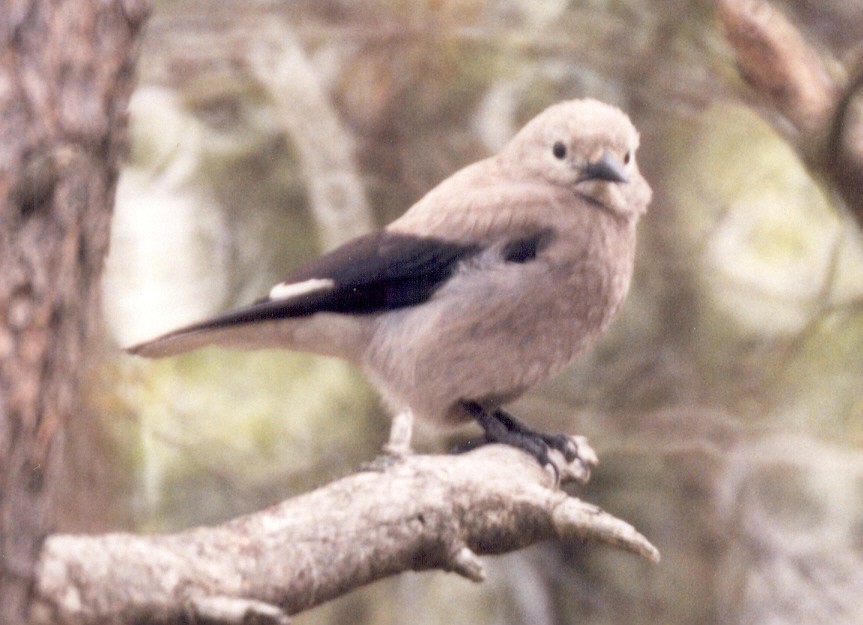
726,402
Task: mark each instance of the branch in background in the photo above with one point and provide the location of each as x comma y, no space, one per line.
414,512
846,143
791,77
326,147
776,61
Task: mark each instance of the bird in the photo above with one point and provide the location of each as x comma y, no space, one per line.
498,278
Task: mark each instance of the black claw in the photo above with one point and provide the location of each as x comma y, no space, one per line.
563,444
501,427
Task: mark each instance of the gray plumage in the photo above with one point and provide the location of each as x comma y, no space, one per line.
498,278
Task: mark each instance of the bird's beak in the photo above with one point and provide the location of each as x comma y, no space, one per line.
606,168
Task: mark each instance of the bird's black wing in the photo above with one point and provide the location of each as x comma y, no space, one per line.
373,273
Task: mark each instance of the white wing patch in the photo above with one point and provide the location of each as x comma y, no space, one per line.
285,290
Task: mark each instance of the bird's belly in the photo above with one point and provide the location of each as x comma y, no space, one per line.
482,350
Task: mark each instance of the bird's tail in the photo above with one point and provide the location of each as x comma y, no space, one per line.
196,336
327,334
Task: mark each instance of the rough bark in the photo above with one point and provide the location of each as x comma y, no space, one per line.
399,514
66,69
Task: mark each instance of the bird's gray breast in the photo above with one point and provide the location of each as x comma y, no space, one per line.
509,317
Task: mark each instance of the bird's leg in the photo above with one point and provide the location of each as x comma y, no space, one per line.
501,427
401,432
560,442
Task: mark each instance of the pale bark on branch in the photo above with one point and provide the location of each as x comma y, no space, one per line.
413,512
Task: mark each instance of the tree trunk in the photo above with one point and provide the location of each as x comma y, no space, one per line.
66,72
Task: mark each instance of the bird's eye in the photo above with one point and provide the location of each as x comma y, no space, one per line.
627,157
559,150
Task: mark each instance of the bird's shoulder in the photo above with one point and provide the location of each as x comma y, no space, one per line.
480,204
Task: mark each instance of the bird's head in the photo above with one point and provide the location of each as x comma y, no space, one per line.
585,146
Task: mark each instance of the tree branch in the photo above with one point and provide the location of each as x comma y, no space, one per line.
337,197
806,102
412,512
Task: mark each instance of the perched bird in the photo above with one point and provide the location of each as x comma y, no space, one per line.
498,278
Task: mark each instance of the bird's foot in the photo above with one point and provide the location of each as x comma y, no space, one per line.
570,457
